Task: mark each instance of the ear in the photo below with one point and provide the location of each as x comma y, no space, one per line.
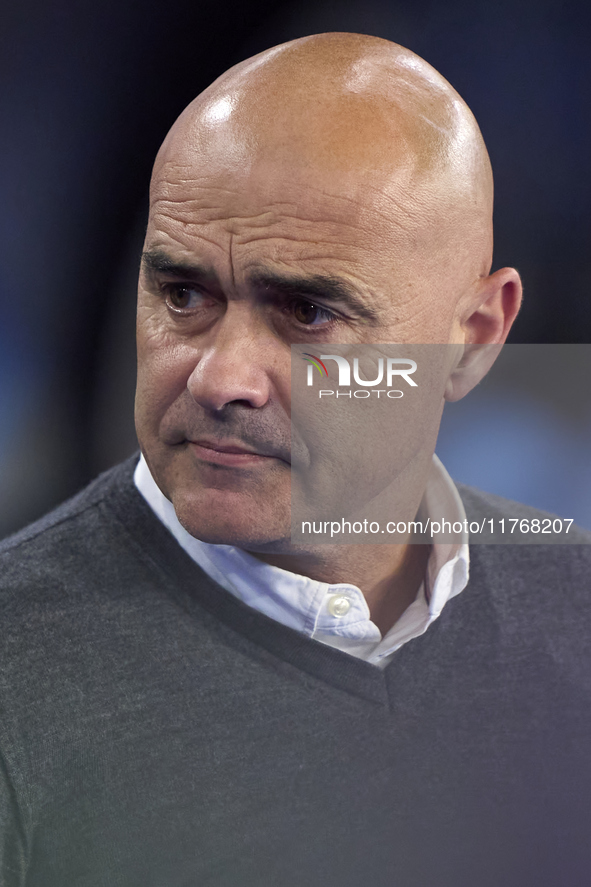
485,321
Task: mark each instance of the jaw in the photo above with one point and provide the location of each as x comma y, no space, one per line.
226,506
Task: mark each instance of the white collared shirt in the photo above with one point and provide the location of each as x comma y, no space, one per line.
338,614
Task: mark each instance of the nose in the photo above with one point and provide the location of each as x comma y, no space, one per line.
233,366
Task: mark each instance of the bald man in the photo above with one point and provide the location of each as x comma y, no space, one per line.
190,698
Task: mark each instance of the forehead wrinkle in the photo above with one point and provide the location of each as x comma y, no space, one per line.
195,175
398,210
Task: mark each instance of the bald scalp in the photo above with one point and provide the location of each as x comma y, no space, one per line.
357,114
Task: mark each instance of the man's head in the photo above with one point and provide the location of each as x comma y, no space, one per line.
334,189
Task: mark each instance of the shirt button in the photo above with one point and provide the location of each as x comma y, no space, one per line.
339,605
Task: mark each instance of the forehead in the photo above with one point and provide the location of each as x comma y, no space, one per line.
286,210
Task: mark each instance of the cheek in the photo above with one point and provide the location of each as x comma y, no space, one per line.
164,368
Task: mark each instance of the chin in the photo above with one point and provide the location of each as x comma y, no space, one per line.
236,523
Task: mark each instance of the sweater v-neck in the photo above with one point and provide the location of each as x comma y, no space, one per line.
198,594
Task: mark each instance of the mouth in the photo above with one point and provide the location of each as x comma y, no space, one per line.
233,455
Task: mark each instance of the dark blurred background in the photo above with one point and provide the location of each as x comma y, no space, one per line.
87,92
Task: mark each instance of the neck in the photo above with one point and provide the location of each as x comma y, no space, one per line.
388,575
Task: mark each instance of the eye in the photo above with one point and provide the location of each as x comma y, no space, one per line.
183,298
310,314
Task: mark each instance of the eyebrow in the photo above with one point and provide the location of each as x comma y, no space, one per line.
327,287
157,261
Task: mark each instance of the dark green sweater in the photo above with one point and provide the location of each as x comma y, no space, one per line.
156,732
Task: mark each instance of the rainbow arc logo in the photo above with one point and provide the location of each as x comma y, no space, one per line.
314,361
